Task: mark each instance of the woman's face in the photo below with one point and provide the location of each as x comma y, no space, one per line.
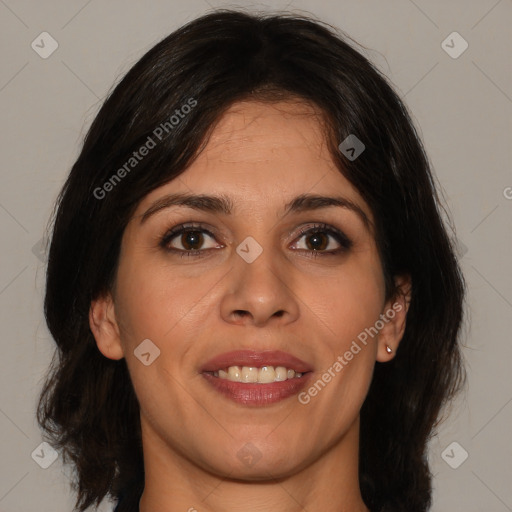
254,284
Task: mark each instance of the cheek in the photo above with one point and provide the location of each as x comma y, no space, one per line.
154,304
344,305
153,300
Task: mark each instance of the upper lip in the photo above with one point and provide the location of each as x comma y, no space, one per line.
256,359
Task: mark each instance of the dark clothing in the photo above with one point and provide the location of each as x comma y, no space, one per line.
129,496
127,503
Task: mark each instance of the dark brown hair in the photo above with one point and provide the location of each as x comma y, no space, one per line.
88,407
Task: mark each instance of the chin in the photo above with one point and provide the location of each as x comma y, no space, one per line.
248,462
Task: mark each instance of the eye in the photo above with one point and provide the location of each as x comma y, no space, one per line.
317,240
191,240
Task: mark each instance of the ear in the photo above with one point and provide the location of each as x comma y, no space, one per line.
103,324
394,317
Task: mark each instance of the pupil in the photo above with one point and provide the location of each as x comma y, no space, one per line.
318,238
191,238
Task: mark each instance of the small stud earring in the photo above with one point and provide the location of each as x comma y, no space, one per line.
389,349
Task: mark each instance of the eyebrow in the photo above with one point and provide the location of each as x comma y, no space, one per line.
223,204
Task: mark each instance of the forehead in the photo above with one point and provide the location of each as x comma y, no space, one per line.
252,130
267,148
262,155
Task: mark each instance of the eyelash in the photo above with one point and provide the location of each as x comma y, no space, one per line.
338,235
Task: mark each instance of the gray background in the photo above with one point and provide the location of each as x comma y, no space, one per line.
462,106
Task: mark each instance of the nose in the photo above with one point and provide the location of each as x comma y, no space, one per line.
259,292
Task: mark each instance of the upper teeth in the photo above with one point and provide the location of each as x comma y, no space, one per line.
253,374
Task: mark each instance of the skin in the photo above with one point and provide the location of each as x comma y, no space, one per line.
262,156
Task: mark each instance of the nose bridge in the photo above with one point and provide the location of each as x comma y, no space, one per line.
258,287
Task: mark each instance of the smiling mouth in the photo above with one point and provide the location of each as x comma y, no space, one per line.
256,378
257,386
253,374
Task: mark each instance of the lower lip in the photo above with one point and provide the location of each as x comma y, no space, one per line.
250,393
